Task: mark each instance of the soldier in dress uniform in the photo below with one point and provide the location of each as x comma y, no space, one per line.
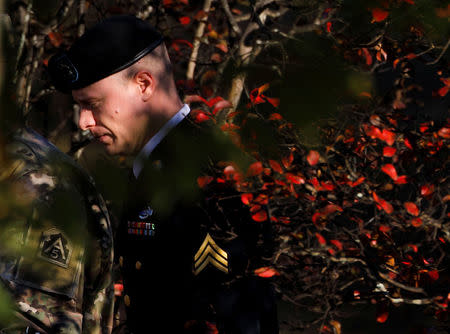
56,249
184,256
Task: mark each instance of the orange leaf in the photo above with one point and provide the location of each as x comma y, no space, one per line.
266,272
379,15
276,166
389,169
260,216
411,208
313,157
321,239
185,20
255,169
389,151
246,198
203,181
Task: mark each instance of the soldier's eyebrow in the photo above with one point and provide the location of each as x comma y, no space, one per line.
88,101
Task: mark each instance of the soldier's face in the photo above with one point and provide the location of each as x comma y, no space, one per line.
111,110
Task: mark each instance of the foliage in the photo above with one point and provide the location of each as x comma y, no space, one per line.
360,206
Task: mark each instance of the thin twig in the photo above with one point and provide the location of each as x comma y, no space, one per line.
441,54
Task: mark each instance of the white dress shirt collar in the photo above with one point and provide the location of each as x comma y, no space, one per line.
139,161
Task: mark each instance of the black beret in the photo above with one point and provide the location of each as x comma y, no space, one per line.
105,49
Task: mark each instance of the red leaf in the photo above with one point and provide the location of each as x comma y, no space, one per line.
434,275
262,199
200,116
337,243
388,137
260,216
407,143
222,46
389,151
203,181
294,178
321,239
275,117
357,182
389,169
287,161
382,317
255,169
221,105
185,20
329,26
386,206
176,44
266,272
246,198
368,56
444,132
313,157
426,189
273,101
56,38
379,15
331,208
411,208
402,179
416,222
372,131
276,166
384,228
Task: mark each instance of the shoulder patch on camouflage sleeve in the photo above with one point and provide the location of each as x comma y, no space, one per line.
210,253
54,247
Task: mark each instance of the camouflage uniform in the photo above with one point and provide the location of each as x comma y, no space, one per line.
56,242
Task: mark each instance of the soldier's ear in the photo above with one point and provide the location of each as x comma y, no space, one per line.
146,84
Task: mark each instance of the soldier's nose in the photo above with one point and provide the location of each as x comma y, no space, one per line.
86,120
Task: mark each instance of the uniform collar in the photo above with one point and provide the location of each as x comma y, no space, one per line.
138,162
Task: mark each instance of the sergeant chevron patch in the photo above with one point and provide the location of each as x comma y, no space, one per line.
210,252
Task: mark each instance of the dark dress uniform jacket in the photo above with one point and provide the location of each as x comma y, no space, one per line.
184,255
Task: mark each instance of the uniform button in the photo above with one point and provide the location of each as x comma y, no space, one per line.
126,300
138,265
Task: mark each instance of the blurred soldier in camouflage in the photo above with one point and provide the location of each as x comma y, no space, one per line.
55,242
